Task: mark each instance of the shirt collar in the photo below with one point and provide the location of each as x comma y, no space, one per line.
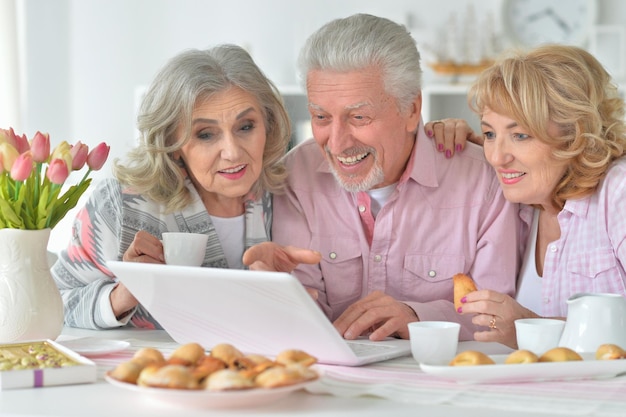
578,207
422,163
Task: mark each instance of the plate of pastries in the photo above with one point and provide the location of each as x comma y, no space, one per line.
557,364
224,377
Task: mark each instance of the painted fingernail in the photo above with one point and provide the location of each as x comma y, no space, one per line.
429,133
459,148
464,300
459,310
448,153
440,147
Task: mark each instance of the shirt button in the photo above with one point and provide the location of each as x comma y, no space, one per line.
362,209
377,258
553,248
546,301
432,273
332,255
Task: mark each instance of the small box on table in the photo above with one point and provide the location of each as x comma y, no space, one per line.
42,363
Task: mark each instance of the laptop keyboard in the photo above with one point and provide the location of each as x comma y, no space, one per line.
367,348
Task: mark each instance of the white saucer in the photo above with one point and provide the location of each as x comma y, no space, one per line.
94,346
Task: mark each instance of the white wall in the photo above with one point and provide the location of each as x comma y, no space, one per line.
85,58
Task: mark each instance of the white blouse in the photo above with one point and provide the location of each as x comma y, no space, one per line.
529,281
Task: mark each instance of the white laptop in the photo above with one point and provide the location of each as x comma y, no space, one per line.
256,311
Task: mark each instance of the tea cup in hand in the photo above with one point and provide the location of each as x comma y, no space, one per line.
434,342
182,248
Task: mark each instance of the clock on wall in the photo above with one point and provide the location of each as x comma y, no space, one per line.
533,22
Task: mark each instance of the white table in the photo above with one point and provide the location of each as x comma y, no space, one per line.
102,399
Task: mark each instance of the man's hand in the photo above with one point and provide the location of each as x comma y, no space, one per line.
378,314
269,256
451,135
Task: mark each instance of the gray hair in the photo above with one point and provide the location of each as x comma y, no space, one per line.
361,41
190,77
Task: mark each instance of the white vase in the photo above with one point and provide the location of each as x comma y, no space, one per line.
31,307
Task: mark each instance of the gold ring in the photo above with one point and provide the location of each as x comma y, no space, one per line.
492,323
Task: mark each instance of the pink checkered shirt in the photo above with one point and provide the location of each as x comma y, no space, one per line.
590,255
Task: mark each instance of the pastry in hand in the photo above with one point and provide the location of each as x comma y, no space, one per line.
560,354
521,356
470,358
610,351
463,285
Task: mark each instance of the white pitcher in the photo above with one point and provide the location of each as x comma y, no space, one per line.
594,319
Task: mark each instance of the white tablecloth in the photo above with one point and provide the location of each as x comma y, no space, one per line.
402,380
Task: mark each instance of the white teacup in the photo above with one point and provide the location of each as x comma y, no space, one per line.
538,335
434,342
182,248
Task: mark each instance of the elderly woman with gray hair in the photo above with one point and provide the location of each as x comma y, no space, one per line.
213,130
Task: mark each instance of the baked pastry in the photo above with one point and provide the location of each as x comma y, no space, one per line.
463,285
127,372
287,357
610,351
521,356
167,376
280,376
226,353
228,379
206,366
148,355
560,354
187,355
470,358
226,368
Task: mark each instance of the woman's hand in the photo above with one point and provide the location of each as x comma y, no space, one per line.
497,312
145,248
451,135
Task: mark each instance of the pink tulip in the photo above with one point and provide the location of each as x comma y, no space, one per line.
79,155
98,156
40,147
8,154
22,167
20,142
57,171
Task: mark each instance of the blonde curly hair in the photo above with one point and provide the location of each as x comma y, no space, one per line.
567,86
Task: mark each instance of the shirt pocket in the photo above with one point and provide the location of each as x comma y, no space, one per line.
342,269
594,264
436,271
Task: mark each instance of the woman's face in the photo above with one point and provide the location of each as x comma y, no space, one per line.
525,166
224,157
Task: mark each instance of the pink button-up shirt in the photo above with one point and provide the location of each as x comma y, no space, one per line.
445,217
590,255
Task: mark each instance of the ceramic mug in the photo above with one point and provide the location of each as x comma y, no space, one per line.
182,248
538,334
434,342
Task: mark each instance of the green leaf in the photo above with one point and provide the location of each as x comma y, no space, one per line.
12,220
67,202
